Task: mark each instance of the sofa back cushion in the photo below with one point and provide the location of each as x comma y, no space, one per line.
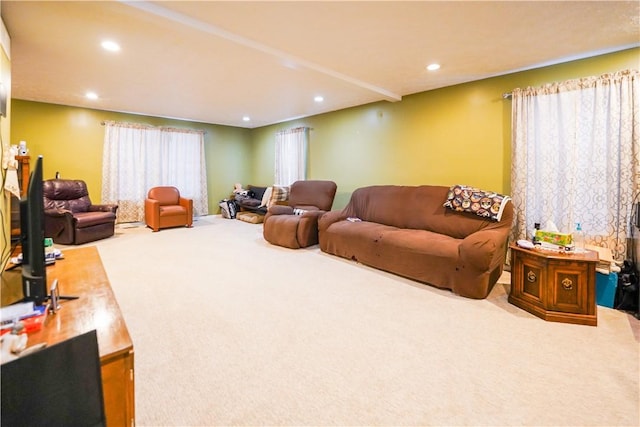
165,195
256,192
312,193
418,207
66,194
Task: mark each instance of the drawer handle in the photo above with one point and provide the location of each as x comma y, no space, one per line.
531,276
567,284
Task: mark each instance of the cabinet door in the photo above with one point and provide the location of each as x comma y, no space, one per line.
529,278
118,390
568,287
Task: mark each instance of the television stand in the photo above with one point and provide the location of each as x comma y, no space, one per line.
83,275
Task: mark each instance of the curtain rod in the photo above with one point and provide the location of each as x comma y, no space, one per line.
145,126
104,122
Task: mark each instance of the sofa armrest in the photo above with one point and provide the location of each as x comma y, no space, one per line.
277,210
484,249
59,224
329,218
280,210
186,203
152,204
152,213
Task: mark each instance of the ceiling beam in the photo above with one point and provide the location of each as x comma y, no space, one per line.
290,60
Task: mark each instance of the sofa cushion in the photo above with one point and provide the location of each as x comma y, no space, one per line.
417,208
165,195
66,194
318,194
250,217
278,194
487,204
172,210
266,196
256,192
252,203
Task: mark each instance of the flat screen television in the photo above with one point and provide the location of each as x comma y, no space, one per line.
34,273
60,385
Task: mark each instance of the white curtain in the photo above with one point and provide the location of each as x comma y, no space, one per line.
291,156
138,157
576,157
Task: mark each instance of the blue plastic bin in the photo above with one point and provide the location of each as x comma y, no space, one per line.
606,285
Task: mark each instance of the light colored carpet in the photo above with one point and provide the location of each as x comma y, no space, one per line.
230,330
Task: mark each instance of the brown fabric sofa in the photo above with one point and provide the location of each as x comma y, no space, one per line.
407,231
69,216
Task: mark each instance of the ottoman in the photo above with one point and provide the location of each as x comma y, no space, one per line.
250,217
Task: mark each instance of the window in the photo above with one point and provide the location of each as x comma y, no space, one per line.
575,157
138,157
291,156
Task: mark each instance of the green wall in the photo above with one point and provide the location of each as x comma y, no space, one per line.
459,134
71,141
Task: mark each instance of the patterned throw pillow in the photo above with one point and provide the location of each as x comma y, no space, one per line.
278,194
486,204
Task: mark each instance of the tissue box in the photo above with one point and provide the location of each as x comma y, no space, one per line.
560,239
606,286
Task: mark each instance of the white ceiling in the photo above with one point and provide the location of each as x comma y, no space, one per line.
215,61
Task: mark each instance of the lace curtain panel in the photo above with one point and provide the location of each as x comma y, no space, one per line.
575,157
291,156
138,157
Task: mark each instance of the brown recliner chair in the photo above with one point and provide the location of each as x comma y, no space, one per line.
164,208
69,216
296,225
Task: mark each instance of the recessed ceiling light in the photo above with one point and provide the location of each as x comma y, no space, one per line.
91,95
433,67
318,98
111,46
246,118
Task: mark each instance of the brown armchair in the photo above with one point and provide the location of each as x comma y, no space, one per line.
296,225
164,207
69,216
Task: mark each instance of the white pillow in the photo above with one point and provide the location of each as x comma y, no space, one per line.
266,197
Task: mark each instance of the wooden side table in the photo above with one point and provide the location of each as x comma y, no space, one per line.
558,287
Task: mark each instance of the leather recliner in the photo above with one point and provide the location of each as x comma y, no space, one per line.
296,225
164,208
69,216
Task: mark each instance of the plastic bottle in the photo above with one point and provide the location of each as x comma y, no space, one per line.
578,239
534,238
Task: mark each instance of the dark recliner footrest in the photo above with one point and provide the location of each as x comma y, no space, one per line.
89,219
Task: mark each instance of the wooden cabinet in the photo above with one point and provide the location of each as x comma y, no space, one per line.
23,180
559,287
81,274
